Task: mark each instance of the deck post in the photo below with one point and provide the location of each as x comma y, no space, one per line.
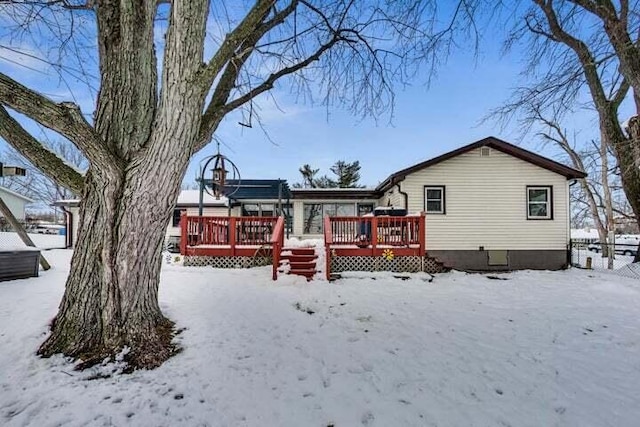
328,241
232,235
423,234
184,235
374,235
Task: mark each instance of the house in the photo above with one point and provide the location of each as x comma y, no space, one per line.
489,205
15,202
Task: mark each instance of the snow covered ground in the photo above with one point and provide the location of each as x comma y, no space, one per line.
521,349
11,240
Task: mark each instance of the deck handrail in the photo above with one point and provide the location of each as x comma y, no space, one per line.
225,230
277,242
328,241
373,232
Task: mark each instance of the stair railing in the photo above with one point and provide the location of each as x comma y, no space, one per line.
277,243
328,241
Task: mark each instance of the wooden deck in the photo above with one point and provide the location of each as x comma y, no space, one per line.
372,236
218,236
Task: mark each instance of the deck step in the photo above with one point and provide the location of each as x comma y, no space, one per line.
300,251
301,265
301,262
298,258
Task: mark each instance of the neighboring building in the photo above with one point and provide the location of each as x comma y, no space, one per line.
16,202
489,205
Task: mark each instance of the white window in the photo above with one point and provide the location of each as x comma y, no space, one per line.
434,199
539,202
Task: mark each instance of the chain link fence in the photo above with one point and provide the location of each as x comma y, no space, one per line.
599,256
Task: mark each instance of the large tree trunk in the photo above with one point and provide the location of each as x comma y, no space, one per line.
111,296
110,299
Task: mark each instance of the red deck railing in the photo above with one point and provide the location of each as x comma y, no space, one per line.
214,231
328,241
277,242
377,231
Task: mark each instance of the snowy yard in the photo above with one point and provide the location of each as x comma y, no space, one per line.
535,349
11,240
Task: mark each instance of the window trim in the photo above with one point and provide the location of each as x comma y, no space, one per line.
549,189
443,189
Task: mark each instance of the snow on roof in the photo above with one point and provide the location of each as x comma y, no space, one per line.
346,189
186,197
13,193
192,197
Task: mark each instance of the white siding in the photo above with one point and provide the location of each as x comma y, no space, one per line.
75,224
392,197
15,204
486,203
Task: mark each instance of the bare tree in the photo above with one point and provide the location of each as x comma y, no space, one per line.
146,126
577,48
595,190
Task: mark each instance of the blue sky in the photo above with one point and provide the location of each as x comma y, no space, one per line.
427,121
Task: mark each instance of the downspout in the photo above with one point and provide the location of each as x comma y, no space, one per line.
404,195
68,238
570,246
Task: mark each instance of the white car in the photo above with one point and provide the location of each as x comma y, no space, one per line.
628,247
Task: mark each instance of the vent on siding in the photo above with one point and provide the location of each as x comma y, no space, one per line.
485,151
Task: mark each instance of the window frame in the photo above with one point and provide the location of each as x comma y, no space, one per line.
549,202
443,199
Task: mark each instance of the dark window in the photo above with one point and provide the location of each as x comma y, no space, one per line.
250,209
176,217
539,202
434,199
364,208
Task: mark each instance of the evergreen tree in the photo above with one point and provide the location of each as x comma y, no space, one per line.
348,174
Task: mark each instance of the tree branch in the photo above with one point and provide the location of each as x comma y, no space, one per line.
218,114
620,94
235,39
580,48
212,115
64,118
52,165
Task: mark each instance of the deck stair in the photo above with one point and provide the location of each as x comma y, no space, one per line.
299,261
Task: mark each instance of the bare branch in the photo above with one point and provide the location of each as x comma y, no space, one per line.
64,118
63,174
